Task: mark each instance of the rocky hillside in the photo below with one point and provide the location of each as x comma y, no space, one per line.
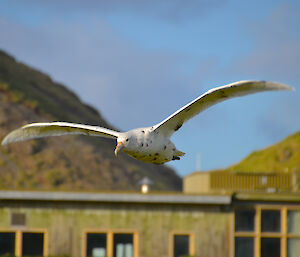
62,163
281,157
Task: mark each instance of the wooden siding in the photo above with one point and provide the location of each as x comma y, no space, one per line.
250,182
233,182
67,223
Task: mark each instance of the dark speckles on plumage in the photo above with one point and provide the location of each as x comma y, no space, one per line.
178,127
147,145
173,149
142,144
156,154
165,147
154,159
223,94
150,141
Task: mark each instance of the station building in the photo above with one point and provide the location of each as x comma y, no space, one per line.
253,219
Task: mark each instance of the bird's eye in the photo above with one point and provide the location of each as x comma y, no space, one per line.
127,139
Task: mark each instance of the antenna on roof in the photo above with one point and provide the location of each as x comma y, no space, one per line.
198,162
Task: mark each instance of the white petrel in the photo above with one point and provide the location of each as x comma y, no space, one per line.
150,144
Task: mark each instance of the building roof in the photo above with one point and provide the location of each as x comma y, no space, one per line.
273,197
152,198
116,197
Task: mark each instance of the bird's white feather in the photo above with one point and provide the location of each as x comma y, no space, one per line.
150,144
212,97
45,129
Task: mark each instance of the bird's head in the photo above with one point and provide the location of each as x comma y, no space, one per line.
124,141
129,141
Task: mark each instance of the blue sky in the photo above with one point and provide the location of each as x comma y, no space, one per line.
139,61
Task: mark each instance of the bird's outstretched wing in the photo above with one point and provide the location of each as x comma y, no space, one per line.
45,129
214,96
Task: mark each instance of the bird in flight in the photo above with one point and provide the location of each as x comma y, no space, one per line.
149,144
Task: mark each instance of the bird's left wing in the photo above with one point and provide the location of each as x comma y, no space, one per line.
45,129
212,97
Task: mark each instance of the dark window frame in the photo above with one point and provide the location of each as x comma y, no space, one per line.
258,235
174,233
19,235
14,242
110,240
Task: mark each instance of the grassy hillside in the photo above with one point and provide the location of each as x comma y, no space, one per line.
67,163
281,157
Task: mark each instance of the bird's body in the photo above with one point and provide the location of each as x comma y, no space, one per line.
147,145
150,144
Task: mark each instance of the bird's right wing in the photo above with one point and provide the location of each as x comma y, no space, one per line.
212,97
45,129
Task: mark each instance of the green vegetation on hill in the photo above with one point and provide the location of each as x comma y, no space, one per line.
281,157
66,163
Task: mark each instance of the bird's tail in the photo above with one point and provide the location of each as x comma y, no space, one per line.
179,153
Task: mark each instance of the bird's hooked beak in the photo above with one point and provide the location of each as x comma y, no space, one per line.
118,148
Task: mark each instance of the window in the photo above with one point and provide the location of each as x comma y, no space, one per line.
18,219
7,243
244,246
270,231
182,244
32,244
244,232
270,221
293,247
293,224
244,220
96,245
123,245
110,244
293,233
23,243
270,247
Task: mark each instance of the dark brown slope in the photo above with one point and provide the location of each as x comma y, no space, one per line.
67,163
